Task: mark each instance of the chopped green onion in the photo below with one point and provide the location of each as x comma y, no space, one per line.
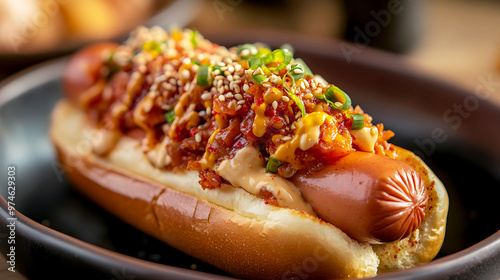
307,71
273,165
170,116
337,98
194,61
247,50
262,52
204,75
358,121
297,72
113,68
255,62
283,57
193,38
152,47
287,47
258,78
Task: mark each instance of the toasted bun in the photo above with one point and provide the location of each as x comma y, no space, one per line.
229,227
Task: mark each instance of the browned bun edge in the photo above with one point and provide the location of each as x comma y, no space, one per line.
228,228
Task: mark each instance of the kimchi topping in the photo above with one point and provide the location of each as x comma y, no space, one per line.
194,104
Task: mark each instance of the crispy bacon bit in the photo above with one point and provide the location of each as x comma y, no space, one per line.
209,179
268,197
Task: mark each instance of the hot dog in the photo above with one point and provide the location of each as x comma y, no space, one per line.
244,159
369,203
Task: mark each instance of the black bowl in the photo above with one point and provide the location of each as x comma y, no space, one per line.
62,234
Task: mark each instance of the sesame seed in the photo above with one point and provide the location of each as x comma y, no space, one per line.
317,90
309,95
285,98
266,84
238,96
202,114
197,137
216,72
245,87
227,73
224,68
230,78
209,111
237,67
238,107
222,98
286,138
241,102
338,104
186,60
221,64
297,71
230,68
229,95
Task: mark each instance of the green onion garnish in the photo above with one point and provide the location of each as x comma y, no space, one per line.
297,101
204,75
262,52
337,98
283,57
170,116
246,50
287,47
358,121
218,67
258,78
273,165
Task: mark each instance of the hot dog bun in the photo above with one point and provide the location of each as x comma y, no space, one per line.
229,227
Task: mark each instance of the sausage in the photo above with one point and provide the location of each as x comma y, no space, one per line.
370,197
84,69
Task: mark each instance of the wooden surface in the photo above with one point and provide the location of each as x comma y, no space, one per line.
460,43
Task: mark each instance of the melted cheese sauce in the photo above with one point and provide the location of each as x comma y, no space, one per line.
306,136
247,170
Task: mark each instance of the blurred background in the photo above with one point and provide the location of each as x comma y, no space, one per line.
457,40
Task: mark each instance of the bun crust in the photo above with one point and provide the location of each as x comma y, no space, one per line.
229,227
